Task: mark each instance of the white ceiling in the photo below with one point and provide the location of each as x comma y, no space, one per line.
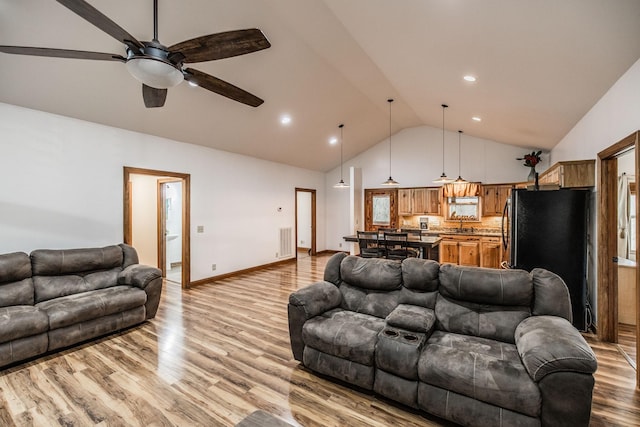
541,65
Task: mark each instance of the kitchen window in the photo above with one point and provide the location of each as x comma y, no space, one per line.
463,208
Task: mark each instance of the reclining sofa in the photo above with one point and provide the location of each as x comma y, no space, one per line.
476,346
56,298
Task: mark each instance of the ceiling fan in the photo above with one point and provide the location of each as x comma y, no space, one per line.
159,67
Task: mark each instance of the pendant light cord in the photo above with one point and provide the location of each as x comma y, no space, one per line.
390,100
459,153
444,106
341,140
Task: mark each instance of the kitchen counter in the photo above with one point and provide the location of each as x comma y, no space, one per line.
453,232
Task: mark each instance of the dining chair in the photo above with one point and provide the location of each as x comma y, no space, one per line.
413,233
370,245
396,246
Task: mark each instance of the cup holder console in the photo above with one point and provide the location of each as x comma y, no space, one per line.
390,333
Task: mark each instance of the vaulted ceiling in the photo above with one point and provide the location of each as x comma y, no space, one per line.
540,66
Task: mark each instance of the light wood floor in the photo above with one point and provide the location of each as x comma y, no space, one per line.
216,353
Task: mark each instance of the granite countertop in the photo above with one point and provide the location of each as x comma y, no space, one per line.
467,231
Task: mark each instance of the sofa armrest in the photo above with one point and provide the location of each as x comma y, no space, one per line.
148,279
306,303
412,318
549,344
316,298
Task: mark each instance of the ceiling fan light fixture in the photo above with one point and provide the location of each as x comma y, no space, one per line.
154,72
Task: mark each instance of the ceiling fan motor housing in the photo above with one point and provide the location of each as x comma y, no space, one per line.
152,66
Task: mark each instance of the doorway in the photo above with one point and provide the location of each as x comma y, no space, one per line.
158,218
305,222
169,234
611,251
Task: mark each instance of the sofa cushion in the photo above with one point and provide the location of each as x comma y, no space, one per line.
481,320
76,308
16,286
486,285
412,318
374,303
420,274
494,378
370,273
50,287
344,334
54,262
21,321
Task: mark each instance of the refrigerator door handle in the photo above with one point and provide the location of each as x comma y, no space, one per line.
502,227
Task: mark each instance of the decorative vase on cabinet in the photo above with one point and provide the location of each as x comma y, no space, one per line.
532,174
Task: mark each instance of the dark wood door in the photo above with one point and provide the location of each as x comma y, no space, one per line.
385,203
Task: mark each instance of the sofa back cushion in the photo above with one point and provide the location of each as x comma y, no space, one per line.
370,285
60,273
16,286
487,303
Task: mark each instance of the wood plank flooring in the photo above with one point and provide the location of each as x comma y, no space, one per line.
216,353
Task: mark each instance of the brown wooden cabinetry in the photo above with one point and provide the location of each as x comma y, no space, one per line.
490,252
419,201
573,174
461,250
494,198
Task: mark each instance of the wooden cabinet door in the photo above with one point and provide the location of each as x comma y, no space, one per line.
490,253
504,192
405,201
372,219
420,201
433,201
469,253
448,251
489,200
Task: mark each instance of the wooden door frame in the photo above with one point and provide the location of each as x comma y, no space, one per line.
313,219
186,213
607,294
368,203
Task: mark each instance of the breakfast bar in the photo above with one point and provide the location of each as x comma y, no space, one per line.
427,244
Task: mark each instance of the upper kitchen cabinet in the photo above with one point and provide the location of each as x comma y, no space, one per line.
572,174
419,201
494,197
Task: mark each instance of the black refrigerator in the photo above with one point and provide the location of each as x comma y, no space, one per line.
548,229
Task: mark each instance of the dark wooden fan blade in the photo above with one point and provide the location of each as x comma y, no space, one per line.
153,97
221,45
221,87
94,16
61,53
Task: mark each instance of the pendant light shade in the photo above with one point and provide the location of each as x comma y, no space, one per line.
459,180
341,183
443,178
390,181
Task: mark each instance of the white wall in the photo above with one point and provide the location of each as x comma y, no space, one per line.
416,160
66,190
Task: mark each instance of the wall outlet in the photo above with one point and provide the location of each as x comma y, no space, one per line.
276,254
213,267
339,245
200,229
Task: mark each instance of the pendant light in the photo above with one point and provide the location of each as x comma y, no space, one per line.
341,184
390,181
459,180
443,178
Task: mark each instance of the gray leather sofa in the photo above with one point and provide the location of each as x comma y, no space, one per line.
57,298
476,346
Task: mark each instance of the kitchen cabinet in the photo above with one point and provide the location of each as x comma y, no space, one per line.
491,252
494,198
418,201
572,174
461,250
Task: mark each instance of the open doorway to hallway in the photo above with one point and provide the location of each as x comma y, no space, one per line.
157,220
305,222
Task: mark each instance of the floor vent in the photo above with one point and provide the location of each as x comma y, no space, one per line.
285,243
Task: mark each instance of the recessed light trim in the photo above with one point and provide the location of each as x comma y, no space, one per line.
470,78
333,140
285,120
476,119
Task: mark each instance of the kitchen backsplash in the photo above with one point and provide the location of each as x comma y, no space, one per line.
489,224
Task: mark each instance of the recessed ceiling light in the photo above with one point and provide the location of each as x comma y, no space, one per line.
469,78
333,140
285,120
476,119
